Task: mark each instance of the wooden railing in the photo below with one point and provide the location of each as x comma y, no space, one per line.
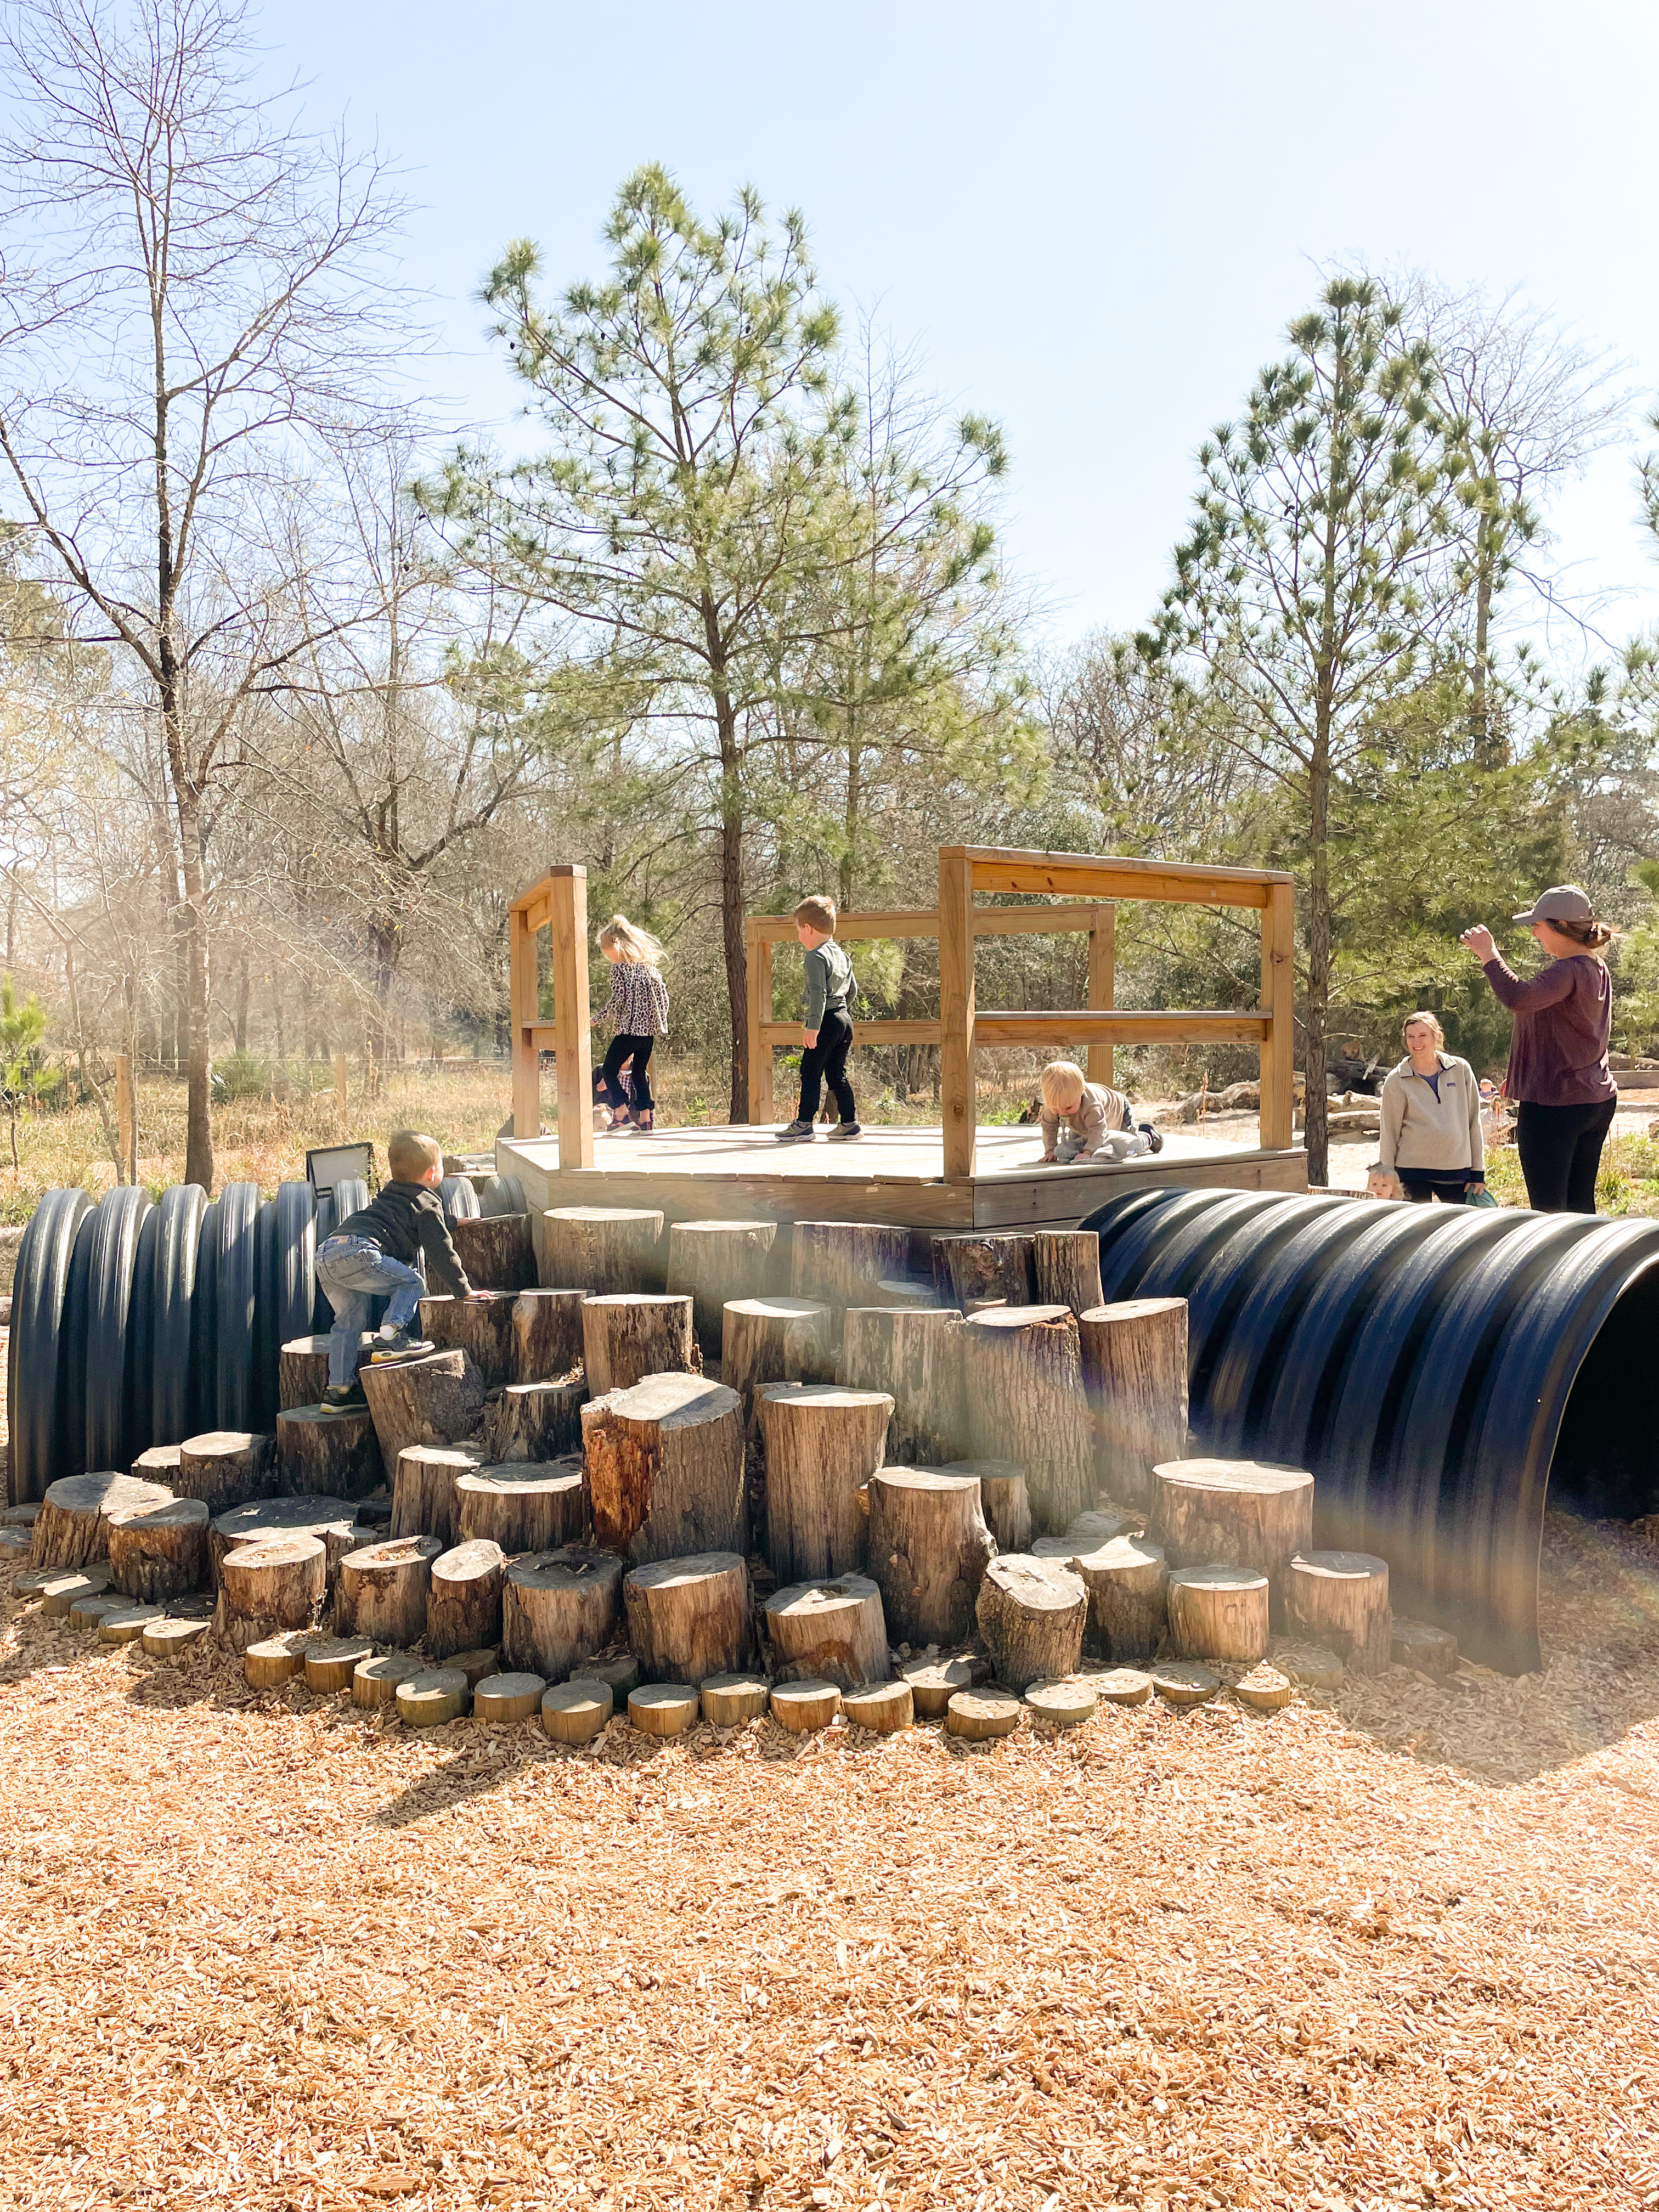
558,903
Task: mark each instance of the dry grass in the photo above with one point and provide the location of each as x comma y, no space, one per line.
1394,1950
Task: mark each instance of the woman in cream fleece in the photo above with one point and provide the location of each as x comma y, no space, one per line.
1432,1119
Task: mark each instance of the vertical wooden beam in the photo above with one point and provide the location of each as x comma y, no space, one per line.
761,1106
955,1010
127,1118
573,1039
522,1013
1102,983
1278,1000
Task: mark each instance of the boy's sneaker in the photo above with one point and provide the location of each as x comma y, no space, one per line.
400,1344
344,1398
1154,1137
844,1130
798,1133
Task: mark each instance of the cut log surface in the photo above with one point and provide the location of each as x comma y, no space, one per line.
463,1603
802,1706
497,1251
1127,1578
916,1357
558,1609
481,1327
1246,1513
1024,1385
602,1248
302,1372
821,1444
1264,1689
331,1662
1220,1612
326,1518
934,1682
1003,1496
532,1422
989,1269
423,1501
436,1694
1309,1665
981,1716
1032,1615
1061,1704
72,1527
374,1682
68,1585
1415,1644
833,1628
904,1292
158,1551
774,1340
327,1455
1102,1525
663,1708
271,1662
86,1612
1183,1681
713,1262
836,1261
546,1335
628,1334
576,1711
508,1697
689,1618
1122,1685
438,1400
228,1467
618,1670
1066,1263
728,1700
128,1623
15,1545
929,1549
279,1582
169,1634
882,1707
382,1591
666,1475
1340,1599
159,1464
535,1506
1134,1373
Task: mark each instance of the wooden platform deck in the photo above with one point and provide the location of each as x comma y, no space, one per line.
889,1175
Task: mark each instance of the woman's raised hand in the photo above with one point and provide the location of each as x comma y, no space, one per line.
1480,942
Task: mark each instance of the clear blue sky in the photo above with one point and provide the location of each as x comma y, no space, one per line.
1094,220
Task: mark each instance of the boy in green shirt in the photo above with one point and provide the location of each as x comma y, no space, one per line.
827,1027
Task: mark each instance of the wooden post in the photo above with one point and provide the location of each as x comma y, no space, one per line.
761,1108
127,1118
342,1084
1102,1062
523,1012
955,1010
572,1044
1278,1001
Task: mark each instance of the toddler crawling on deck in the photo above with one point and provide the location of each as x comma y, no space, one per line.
1098,1123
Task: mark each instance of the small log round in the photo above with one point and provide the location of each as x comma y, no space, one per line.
1102,1527
1340,1599
278,1582
730,1699
228,1467
628,1334
972,1306
329,1519
423,1501
576,1711
1127,1578
159,1464
476,1665
1264,1689
1242,1511
557,1608
437,1399
929,1549
271,1662
689,1618
1067,1265
1023,1381
601,1249
821,1444
933,1682
1220,1612
1183,1681
838,1262
128,1623
900,1292
1134,1373
375,1682
327,1455
803,1706
715,1262
618,1670
86,1613
1123,1686
463,1601
497,1251
536,1506
158,1551
981,1716
331,1662
508,1697
997,1269
546,1335
1061,1704
663,1709
774,1340
834,1629
15,1545
665,1469
302,1372
381,1592
30,1581
916,1357
169,1634
436,1694
1308,1665
481,1327
72,1527
1416,1644
1032,1615
68,1585
532,1422
883,1707
1004,1499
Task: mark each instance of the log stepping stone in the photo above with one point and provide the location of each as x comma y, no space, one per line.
168,1635
619,1670
729,1699
476,1665
1340,1599
330,1662
689,1619
1219,1613
87,1613
979,1715
1061,1704
65,1586
1183,1681
803,1706
663,1708
1031,1613
883,1707
508,1697
1417,1644
1122,1685
535,1506
128,1623
933,1682
1134,1376
271,1662
434,1696
576,1711
375,1682
15,1545
1264,1689
1309,1665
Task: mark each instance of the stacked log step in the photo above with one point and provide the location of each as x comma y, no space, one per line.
603,1248
714,1262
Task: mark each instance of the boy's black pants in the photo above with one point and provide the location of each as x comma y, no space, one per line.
606,1086
826,1062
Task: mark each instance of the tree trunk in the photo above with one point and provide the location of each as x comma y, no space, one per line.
821,1444
326,1518
600,1250
382,1591
730,860
1066,1264
929,1549
1031,1613
1340,1599
302,1372
831,1629
1023,1384
158,1551
985,1268
533,1422
482,1328
532,1508
278,1583
464,1604
665,1469
72,1529
228,1467
496,1252
838,1262
1220,1612
424,1501
916,1357
1236,1513
1127,1578
437,1399
715,1262
328,1455
547,1335
1134,1373
558,1609
690,1618
774,1340
629,1335
1003,1499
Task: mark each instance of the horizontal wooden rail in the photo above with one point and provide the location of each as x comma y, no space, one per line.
920,921
1080,874
1113,1026
773,1034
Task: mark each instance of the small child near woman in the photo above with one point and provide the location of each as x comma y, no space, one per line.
637,1011
1098,1122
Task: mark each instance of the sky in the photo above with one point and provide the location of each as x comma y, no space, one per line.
1092,222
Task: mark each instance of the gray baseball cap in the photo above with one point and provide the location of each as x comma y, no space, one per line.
1560,903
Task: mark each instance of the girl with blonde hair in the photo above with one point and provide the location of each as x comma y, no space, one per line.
637,1010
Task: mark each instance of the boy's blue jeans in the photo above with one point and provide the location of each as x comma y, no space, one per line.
352,1273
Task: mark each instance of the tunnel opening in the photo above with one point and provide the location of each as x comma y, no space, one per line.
1606,1463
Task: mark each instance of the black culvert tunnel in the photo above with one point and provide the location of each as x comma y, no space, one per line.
1435,1368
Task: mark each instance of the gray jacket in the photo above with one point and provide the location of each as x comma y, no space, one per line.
1099,1112
829,984
1421,1131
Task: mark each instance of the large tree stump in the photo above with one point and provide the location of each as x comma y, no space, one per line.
277,1516
1023,1382
547,1335
327,1455
1031,1613
986,1269
665,1469
558,1609
718,1261
1340,1599
1220,1612
463,1603
1237,1513
158,1551
534,1421
628,1334
535,1507
1134,1371
302,1372
1127,1578
159,1463
1067,1265
381,1592
1004,1499
916,1357
228,1467
838,1262
774,1340
278,1583
821,1444
423,1490
497,1251
72,1529
481,1327
602,1250
834,1628
435,1401
929,1549
689,1618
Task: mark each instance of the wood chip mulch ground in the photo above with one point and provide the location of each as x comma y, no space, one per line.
1397,1947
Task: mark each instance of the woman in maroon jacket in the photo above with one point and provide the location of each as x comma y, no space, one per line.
1559,1078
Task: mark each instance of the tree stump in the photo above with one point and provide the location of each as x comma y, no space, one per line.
628,1334
1184,1682
547,1335
1240,1513
274,1660
1061,1704
1264,1689
929,1549
158,1551
302,1372
602,1250
663,1709
508,1697
728,1700
981,1716
1003,1499
535,1507
557,1608
774,1340
481,1327
172,1632
665,1469
1415,1644
576,1711
1023,1382
1134,1372
532,1422
68,1585
1067,1265
436,1694
464,1602
988,1268
715,1262
72,1527
689,1618
1340,1599
882,1707
821,1444
835,1629
381,1592
435,1401
331,1662
915,1355
496,1252
228,1467
277,1516
423,1490
933,1682
279,1583
1220,1612
375,1682
838,1262
327,1455
1031,1613
901,1292
806,1704
1127,1579
159,1464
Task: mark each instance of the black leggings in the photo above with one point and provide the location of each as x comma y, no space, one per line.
826,1062
1560,1149
606,1086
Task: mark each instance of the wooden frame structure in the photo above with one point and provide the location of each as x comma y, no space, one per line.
558,903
